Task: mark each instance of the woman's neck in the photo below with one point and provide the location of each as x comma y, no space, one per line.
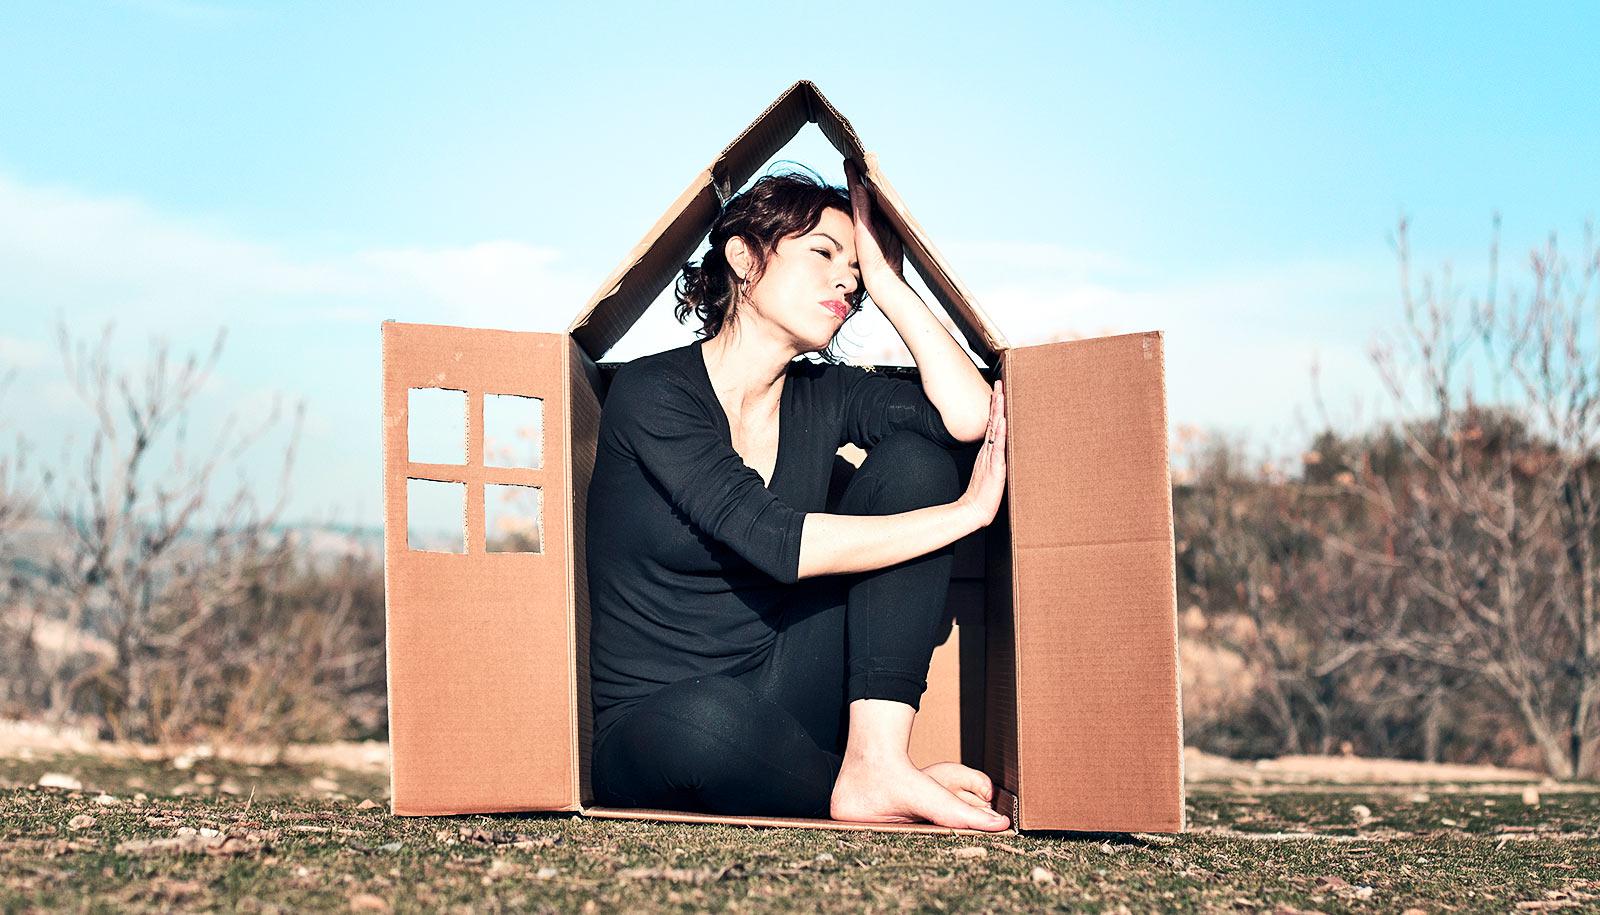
746,370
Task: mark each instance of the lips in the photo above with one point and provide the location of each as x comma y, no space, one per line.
837,307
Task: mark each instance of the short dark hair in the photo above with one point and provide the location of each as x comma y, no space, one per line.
775,207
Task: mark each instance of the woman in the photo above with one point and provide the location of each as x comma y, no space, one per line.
759,645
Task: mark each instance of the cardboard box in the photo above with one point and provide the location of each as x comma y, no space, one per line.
1060,675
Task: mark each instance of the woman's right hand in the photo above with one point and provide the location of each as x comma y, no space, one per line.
988,484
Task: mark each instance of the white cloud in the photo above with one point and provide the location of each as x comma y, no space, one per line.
90,260
102,257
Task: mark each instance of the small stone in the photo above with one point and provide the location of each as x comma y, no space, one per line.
1042,875
81,821
106,800
1420,797
390,846
545,873
1448,822
368,804
206,832
1530,796
971,851
824,858
1362,814
59,780
367,902
183,761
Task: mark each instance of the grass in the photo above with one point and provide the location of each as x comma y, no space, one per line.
226,836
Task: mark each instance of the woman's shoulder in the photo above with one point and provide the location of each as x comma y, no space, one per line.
650,373
643,388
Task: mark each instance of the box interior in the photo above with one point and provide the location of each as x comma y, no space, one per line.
951,720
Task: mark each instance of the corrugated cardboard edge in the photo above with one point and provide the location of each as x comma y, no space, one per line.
1016,625
1177,653
677,816
575,556
383,461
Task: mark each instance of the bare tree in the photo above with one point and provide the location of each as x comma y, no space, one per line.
1488,513
143,567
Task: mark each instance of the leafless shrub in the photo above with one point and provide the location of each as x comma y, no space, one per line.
1493,509
1426,587
165,615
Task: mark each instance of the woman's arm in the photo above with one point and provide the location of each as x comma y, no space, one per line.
837,544
953,384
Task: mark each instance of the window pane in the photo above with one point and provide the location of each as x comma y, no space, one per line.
513,431
436,516
513,518
436,428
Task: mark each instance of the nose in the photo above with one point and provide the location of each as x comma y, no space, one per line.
847,283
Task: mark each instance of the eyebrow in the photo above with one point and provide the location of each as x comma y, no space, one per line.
836,245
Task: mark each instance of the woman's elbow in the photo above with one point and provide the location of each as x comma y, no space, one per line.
965,429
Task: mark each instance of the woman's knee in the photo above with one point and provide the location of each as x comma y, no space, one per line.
906,471
666,749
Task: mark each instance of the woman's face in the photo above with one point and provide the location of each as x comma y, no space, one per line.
807,279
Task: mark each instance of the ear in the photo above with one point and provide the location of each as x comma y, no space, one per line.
739,256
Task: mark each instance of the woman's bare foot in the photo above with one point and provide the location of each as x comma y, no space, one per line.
889,790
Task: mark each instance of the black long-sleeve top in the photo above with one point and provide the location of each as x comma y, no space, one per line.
688,551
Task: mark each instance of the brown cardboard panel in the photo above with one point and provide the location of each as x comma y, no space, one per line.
936,732
1101,753
679,816
480,679
1099,744
583,393
1088,441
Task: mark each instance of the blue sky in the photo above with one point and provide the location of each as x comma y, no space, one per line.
297,172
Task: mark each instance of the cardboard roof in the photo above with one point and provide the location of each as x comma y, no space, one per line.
661,254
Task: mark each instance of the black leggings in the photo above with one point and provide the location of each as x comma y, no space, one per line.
769,740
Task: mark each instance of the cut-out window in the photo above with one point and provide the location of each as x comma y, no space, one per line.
513,518
436,516
436,426
513,431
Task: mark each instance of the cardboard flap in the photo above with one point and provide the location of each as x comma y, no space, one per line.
479,640
981,334
1099,737
658,257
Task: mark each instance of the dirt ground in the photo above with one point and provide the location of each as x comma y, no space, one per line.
89,827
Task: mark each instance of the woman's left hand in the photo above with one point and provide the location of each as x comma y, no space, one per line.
881,256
